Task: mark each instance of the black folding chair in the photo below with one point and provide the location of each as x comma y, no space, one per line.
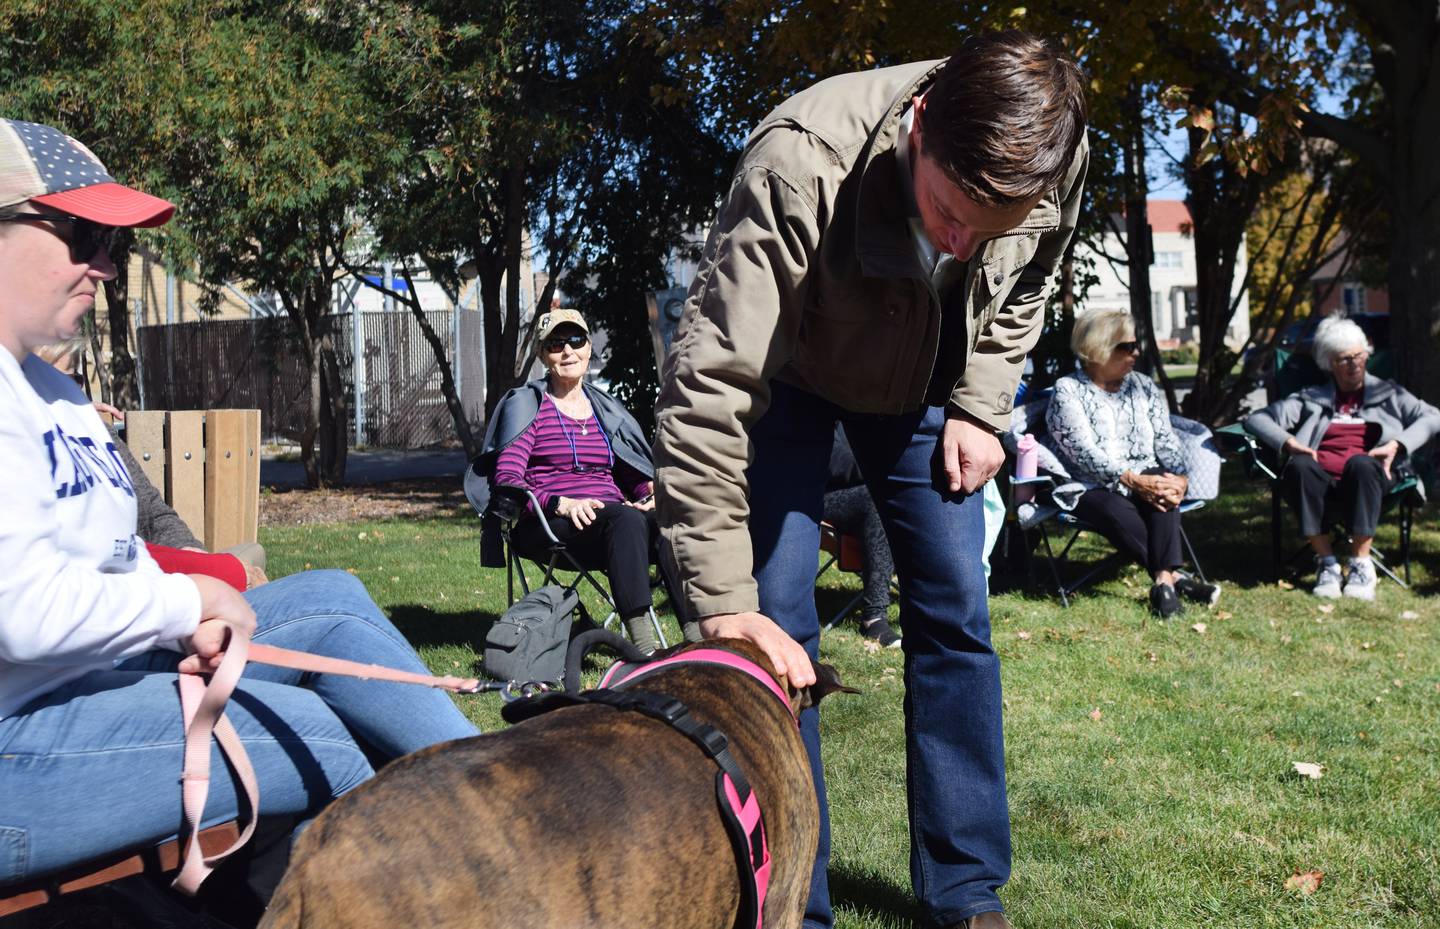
1263,463
507,506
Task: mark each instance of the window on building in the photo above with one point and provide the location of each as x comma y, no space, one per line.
1353,296
1169,260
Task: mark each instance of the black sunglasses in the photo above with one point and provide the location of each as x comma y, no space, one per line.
86,236
556,343
1128,348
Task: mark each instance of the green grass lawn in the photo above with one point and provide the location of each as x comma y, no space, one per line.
1150,764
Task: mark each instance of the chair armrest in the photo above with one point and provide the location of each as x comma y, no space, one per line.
507,503
1235,442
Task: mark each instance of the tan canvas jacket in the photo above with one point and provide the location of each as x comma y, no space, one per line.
809,274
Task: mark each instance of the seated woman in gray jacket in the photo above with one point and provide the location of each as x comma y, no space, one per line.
1344,439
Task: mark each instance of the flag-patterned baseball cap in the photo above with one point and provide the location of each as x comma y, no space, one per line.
45,165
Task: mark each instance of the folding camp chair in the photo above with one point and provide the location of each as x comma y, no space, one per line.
1042,516
507,506
1263,463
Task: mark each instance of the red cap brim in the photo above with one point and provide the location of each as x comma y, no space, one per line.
111,204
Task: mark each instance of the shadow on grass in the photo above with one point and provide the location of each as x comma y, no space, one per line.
426,627
868,894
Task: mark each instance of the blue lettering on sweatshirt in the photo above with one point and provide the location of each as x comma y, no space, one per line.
84,460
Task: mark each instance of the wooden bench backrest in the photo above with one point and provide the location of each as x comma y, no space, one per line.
207,463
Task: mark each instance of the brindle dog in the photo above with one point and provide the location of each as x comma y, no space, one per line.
582,817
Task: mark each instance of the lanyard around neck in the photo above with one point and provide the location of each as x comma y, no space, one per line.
576,467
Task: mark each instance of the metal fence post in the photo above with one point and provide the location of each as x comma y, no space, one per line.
358,367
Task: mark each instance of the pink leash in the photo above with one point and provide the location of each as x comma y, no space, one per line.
204,712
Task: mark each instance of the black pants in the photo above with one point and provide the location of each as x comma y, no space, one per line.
1353,501
1150,536
621,540
852,510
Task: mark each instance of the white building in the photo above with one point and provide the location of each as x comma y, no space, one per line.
1172,279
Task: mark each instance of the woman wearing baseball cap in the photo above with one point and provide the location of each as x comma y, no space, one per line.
92,631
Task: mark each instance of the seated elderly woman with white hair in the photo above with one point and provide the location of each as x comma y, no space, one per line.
1113,426
1344,439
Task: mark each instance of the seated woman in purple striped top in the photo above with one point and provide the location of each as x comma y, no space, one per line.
589,465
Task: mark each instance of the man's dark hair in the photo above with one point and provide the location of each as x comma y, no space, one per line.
1004,116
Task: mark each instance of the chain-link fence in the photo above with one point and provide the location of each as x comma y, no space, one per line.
392,380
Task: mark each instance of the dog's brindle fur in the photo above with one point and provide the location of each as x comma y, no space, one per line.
582,817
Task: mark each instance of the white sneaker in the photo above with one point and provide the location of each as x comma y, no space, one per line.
1327,580
1361,582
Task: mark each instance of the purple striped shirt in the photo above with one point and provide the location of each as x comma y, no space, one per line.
554,458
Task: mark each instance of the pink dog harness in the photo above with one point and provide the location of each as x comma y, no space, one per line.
739,807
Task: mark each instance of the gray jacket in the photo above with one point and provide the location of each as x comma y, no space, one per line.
155,520
1305,415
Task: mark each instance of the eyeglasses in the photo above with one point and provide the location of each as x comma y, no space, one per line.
86,236
556,343
1128,348
1353,361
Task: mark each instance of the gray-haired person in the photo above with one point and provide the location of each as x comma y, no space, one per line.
1344,439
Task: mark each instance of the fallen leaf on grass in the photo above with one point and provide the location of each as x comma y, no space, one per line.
1306,882
1308,769
1151,656
1409,614
1366,645
1326,608
1285,585
1095,714
360,536
1224,614
1200,628
871,646
1023,636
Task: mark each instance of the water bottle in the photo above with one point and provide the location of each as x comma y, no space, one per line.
1027,459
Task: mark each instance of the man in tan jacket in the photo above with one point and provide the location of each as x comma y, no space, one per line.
881,260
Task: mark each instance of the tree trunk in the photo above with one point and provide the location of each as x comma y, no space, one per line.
1220,203
312,415
1411,63
334,419
119,385
1414,282
1138,240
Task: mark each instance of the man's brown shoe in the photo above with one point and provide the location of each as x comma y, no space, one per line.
992,920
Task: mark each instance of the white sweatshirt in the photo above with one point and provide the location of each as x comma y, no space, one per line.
78,591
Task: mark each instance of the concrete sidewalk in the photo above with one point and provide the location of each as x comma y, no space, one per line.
373,466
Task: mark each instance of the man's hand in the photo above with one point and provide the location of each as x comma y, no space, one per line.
580,512
1293,446
222,610
785,653
1385,454
972,453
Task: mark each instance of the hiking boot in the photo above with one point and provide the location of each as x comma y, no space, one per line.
642,634
691,631
1197,591
879,629
1362,580
994,920
1165,602
1327,579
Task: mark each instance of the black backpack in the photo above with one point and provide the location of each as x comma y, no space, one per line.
528,643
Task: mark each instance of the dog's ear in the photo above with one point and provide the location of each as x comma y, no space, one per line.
827,682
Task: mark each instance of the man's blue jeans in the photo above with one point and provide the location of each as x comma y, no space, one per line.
955,771
94,766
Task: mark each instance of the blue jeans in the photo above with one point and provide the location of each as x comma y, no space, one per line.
955,770
93,766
